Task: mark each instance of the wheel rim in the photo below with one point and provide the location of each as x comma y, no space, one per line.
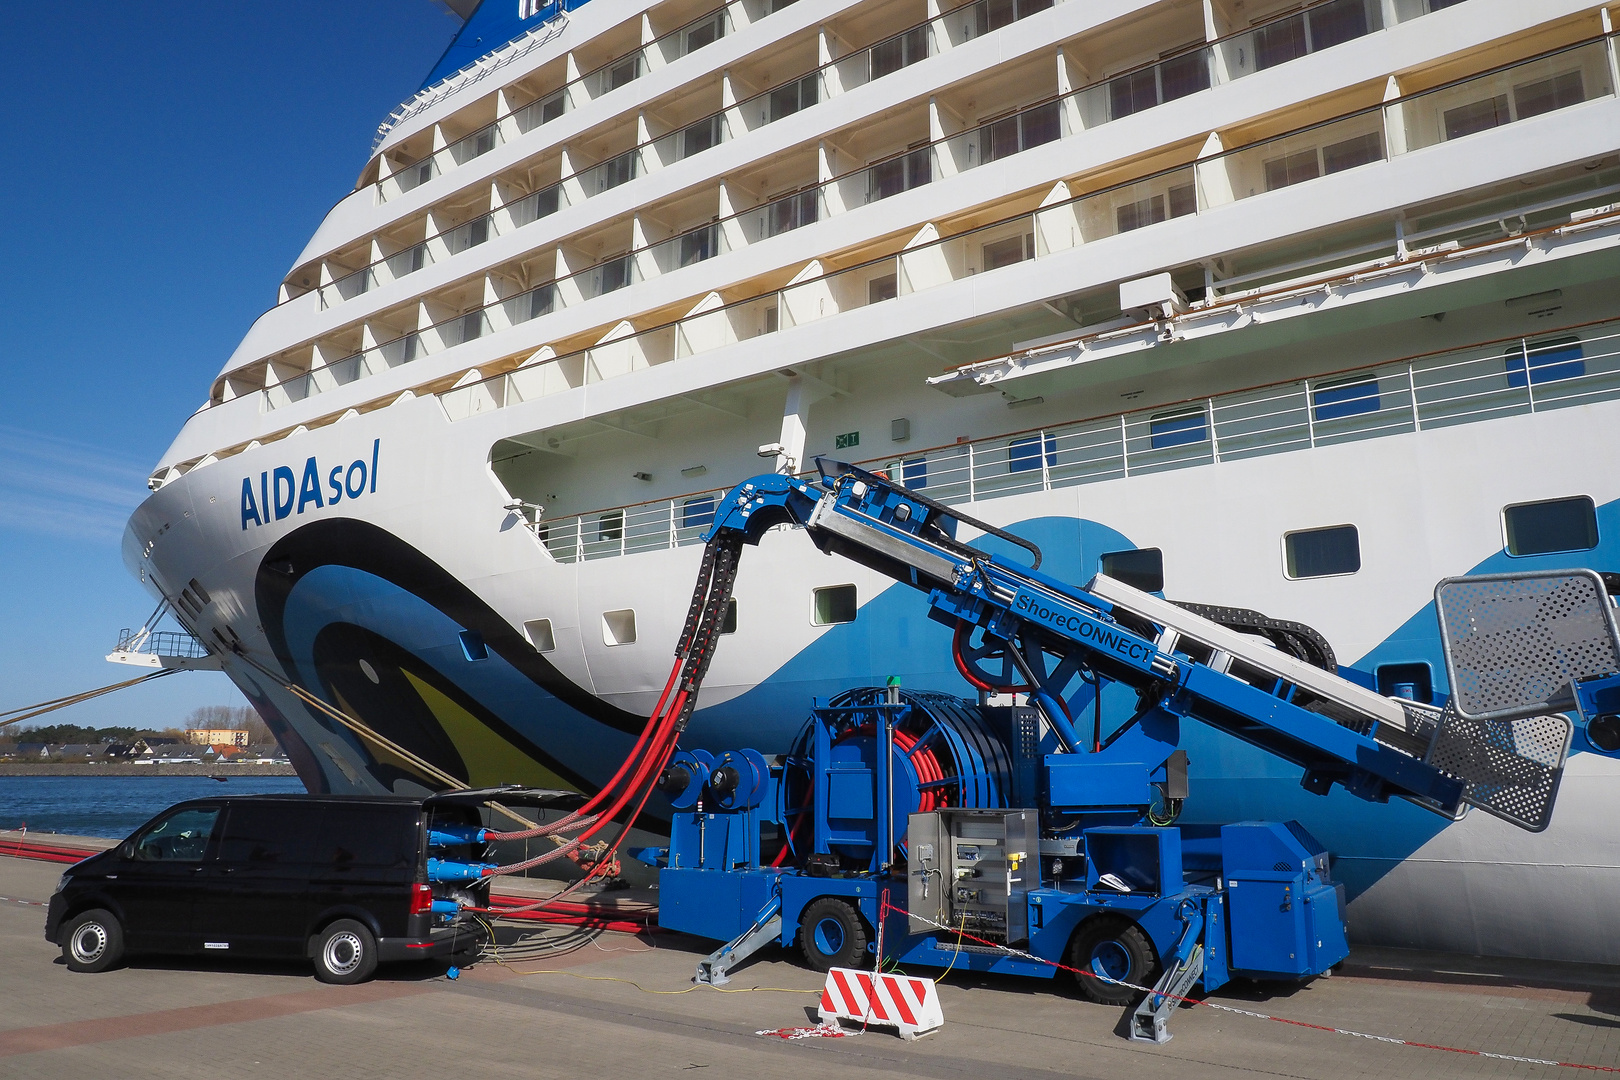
829,937
342,952
89,943
1110,961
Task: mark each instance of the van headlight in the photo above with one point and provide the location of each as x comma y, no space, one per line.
62,882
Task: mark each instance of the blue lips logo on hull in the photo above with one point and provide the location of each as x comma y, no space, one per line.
282,494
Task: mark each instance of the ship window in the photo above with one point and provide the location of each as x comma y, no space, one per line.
697,245
615,274
728,625
707,33
899,51
914,472
1547,360
1360,150
1546,95
1343,399
610,526
541,636
472,645
1013,249
1024,454
1291,169
1183,200
1177,429
1137,214
1279,43
1540,528
834,604
1476,116
1337,21
1323,552
1140,568
1185,74
697,513
619,627
624,72
1414,682
882,288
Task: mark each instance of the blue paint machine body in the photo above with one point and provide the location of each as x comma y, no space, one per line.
1010,837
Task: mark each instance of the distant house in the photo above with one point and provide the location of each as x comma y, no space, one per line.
81,751
33,750
216,736
266,752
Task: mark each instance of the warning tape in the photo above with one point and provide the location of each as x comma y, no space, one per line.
825,1031
886,908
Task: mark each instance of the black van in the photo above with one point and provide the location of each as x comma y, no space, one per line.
338,879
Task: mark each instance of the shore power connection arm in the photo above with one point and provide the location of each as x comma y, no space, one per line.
1027,835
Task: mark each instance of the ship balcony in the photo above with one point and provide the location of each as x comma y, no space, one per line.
1445,114
1100,102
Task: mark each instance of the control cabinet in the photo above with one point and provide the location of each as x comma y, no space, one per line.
971,869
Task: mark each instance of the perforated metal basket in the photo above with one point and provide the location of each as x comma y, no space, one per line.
1514,645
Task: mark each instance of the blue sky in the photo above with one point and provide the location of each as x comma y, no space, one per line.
167,162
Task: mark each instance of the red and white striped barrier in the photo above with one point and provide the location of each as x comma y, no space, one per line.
909,1005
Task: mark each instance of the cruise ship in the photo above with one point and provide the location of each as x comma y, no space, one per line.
1293,308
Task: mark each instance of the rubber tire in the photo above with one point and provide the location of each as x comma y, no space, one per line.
92,941
832,934
345,953
1126,942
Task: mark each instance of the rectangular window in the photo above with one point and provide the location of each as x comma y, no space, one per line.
472,645
697,513
1292,169
706,33
1013,249
615,274
914,472
1177,429
1337,21
619,627
834,604
1540,528
1024,454
375,837
1279,43
541,301
882,288
1344,399
261,834
624,72
1323,552
1132,93
1361,150
899,51
1184,74
541,635
728,624
1476,116
182,836
610,526
1183,200
1543,361
1135,215
1546,95
1140,568
697,245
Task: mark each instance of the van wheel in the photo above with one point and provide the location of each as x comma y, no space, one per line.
92,941
345,952
1112,949
832,934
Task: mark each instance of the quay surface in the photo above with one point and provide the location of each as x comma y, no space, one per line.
578,1015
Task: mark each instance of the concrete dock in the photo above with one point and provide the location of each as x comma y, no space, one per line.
623,1006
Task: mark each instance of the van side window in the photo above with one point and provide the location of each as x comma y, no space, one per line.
264,834
180,837
377,837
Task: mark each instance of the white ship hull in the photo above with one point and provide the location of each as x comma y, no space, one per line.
451,485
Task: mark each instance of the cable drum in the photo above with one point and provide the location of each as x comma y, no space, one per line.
946,754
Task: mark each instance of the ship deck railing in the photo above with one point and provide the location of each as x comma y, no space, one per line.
1489,380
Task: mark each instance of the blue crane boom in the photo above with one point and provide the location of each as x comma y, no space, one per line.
1049,842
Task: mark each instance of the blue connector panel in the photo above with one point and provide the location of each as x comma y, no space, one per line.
445,870
445,907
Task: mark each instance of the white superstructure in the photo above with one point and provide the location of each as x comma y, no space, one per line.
1299,310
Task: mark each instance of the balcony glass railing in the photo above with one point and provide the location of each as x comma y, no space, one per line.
1195,188
1481,382
1544,83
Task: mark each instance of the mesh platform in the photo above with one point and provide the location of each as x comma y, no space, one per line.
1509,768
1514,643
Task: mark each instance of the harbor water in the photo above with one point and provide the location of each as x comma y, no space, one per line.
114,806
